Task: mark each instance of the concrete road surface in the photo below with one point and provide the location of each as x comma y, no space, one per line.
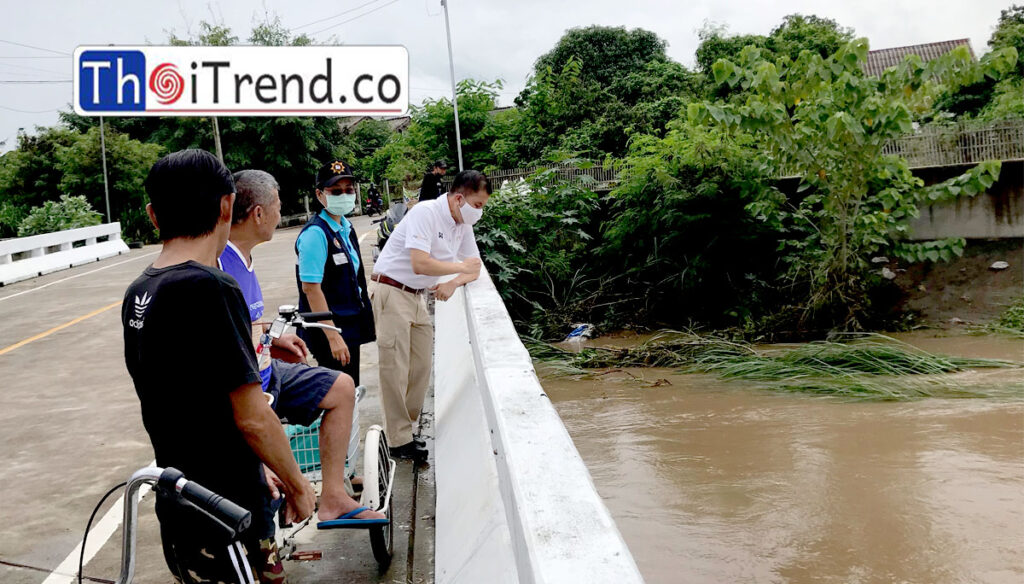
70,428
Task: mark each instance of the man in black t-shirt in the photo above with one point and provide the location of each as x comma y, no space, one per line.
188,350
432,186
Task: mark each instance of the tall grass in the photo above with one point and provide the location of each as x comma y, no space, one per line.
870,366
1011,322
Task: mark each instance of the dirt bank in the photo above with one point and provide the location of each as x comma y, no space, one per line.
965,288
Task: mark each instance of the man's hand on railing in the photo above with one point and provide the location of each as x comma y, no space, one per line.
444,290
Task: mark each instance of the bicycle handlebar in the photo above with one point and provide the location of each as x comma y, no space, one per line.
171,481
220,508
226,512
316,316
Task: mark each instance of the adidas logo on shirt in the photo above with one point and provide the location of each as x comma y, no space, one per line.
141,304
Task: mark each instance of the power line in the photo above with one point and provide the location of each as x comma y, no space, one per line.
342,13
36,48
30,67
354,18
27,73
505,92
11,109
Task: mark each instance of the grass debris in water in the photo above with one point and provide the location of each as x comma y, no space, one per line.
868,366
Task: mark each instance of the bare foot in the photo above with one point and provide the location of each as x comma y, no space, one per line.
333,507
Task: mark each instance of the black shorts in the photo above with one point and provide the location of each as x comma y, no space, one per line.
298,390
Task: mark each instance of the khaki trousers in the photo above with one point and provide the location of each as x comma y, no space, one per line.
405,345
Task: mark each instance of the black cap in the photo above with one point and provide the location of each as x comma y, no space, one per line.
332,172
440,164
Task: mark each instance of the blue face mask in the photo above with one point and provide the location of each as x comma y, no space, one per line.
340,204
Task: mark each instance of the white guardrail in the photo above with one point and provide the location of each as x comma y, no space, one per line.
515,502
28,257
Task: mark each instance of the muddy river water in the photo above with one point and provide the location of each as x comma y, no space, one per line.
722,482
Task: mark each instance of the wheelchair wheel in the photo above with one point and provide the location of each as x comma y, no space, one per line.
378,472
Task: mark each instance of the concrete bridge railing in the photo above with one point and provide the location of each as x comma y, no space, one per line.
515,502
27,257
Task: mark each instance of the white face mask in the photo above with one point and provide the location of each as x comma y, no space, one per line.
470,214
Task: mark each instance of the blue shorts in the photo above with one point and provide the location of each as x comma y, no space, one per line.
298,390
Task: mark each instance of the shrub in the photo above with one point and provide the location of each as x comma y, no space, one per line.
67,213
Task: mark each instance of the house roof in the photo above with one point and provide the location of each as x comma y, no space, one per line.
349,123
882,59
399,124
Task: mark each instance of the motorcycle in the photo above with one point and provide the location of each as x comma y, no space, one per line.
386,224
374,203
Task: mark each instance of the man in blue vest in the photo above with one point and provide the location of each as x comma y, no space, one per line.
330,273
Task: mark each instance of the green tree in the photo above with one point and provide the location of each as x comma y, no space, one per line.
29,174
824,121
992,98
128,162
1005,101
11,216
400,162
716,43
66,213
677,227
605,53
799,33
433,124
431,135
271,33
591,93
796,33
1009,33
537,238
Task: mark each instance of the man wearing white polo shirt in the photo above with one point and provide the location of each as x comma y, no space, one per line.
434,239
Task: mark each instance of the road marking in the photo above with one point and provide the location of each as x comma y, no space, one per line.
361,238
67,571
79,275
10,348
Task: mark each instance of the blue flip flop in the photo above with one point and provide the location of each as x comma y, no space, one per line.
346,521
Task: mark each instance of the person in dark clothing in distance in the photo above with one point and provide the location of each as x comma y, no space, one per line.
432,186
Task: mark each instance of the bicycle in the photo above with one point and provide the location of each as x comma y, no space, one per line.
170,482
378,482
378,466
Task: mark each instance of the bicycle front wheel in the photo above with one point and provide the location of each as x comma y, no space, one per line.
377,477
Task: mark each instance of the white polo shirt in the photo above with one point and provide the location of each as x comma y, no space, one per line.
430,227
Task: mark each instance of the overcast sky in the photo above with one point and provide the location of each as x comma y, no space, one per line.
492,39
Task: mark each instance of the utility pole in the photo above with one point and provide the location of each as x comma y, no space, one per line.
103,155
455,97
216,139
